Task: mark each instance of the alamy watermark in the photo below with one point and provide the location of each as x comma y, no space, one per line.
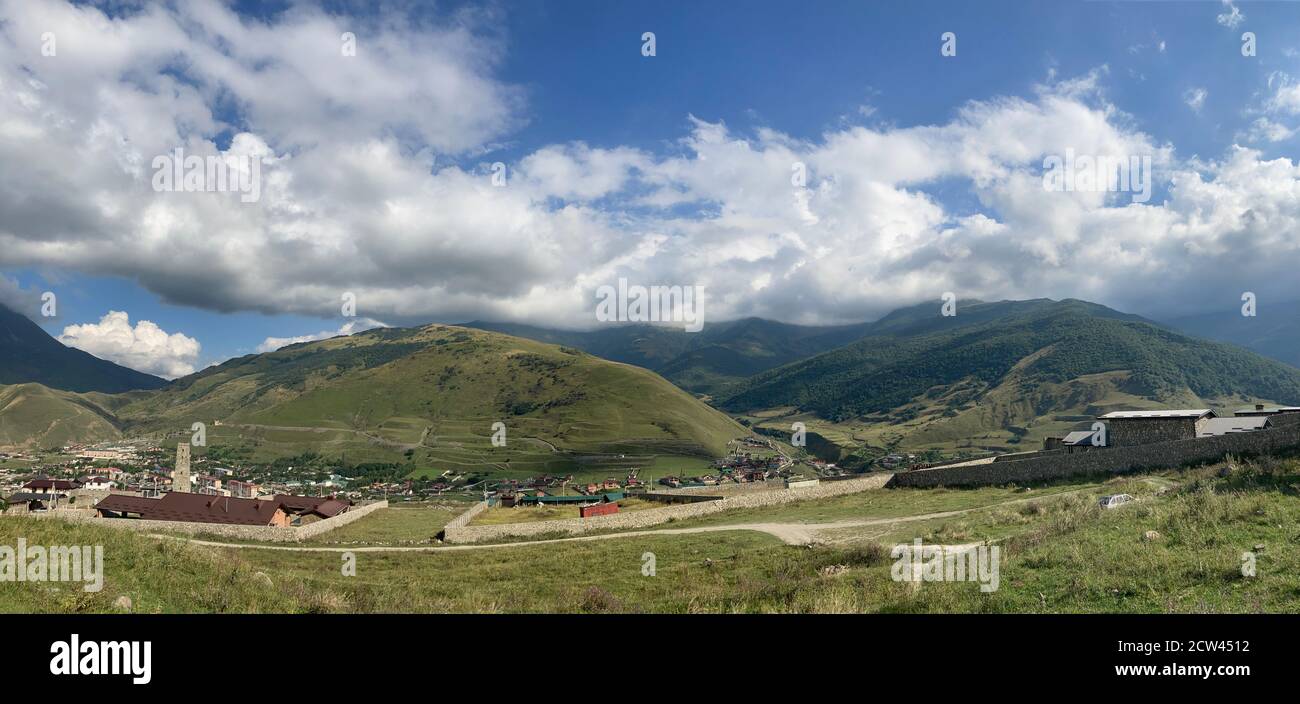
215,173
947,563
651,304
74,656
1088,173
56,563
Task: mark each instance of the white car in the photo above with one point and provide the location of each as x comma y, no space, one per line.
1114,500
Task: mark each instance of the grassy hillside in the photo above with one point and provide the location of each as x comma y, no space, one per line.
1274,330
431,395
1049,344
158,576
29,354
1001,376
710,361
35,416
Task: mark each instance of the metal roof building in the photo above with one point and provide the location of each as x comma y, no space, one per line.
1078,437
1126,428
195,508
1142,415
1240,424
1260,409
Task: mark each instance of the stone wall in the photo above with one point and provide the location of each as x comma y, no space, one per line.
723,489
459,531
87,498
1279,419
1126,432
329,524
459,522
1108,460
664,497
263,533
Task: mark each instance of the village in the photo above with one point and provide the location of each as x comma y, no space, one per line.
130,481
110,492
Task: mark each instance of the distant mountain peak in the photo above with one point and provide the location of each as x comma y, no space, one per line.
29,354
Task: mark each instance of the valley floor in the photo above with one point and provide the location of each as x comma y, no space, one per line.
1178,548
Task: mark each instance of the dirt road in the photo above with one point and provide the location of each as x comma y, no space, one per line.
789,533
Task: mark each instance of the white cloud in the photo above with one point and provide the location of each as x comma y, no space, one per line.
354,199
1285,98
577,172
144,347
1276,106
351,327
1266,130
1232,18
1195,98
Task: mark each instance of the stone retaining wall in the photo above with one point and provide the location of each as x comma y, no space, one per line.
1108,460
726,488
459,522
665,497
329,524
459,531
87,498
263,533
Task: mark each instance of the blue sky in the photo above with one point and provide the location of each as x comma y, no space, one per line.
802,69
552,82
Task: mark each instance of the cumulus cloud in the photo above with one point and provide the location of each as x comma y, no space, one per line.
351,327
1195,98
360,199
144,347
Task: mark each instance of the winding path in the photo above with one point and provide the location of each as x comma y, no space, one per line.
789,533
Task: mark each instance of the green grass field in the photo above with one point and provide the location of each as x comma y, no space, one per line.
891,503
499,515
397,525
1061,553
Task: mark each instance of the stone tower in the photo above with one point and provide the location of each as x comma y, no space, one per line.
181,476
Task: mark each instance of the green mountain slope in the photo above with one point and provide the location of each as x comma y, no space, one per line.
32,415
1044,343
1274,330
29,354
710,361
432,394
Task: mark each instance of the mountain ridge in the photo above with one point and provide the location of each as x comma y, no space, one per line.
1274,330
28,354
884,370
431,396
704,362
